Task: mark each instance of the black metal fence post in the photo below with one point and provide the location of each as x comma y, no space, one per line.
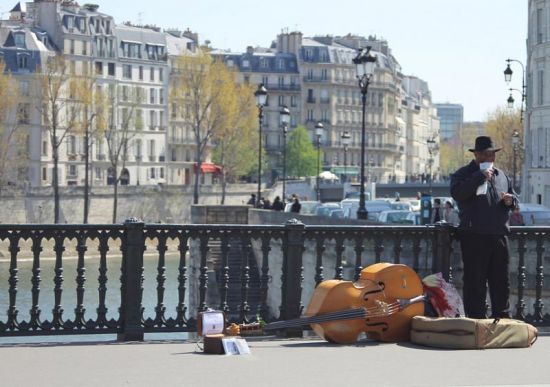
442,250
131,328
292,277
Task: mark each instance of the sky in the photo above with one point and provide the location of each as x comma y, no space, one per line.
458,47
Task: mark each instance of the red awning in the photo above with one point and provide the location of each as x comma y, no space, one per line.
209,168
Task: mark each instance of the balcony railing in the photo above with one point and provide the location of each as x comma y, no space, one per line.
165,274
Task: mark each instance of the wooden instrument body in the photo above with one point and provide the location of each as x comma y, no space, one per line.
378,291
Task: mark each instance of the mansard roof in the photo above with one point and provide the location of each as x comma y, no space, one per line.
262,62
139,35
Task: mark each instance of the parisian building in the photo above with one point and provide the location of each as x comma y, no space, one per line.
451,119
313,76
535,177
323,89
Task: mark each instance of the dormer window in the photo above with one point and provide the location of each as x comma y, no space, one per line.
264,63
246,63
70,22
22,61
230,63
19,39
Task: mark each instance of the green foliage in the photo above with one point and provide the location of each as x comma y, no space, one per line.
301,154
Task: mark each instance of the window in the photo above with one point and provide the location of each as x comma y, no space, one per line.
99,68
19,39
541,87
45,147
111,69
152,74
23,113
246,63
125,93
141,73
293,101
152,119
161,96
152,173
72,170
161,75
264,63
71,145
280,64
265,80
152,150
139,119
22,61
84,48
71,46
138,149
127,71
281,82
44,173
310,116
97,173
281,100
152,95
24,88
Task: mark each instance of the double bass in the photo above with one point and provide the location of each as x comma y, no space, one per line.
381,303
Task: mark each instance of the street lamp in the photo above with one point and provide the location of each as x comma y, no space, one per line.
285,120
261,98
515,145
364,63
507,78
346,139
318,132
432,148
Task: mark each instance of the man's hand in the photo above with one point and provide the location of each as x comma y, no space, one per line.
488,173
507,198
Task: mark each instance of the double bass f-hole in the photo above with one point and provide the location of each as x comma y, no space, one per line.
381,287
382,324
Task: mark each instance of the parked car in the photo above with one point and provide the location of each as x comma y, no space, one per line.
394,217
414,217
401,206
325,208
336,213
373,207
535,214
415,204
308,207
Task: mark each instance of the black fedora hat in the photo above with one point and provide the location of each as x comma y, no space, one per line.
484,143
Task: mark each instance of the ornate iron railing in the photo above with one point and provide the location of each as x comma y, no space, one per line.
248,271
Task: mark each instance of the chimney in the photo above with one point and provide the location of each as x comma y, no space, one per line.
250,50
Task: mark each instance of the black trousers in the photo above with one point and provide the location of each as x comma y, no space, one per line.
485,259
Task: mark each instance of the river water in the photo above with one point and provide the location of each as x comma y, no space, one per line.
91,294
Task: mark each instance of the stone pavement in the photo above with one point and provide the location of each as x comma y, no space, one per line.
272,362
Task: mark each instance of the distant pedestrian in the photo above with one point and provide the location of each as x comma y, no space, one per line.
516,218
252,200
266,204
278,205
450,215
436,211
296,206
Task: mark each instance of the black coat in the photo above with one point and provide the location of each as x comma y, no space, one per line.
483,214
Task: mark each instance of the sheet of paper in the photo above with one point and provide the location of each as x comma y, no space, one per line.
212,323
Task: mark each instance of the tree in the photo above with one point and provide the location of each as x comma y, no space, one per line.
235,142
453,153
60,111
501,124
12,139
301,154
92,123
204,90
118,137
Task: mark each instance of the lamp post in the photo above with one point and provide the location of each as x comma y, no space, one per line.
138,160
507,78
432,147
346,139
261,98
318,133
515,144
515,136
364,63
285,120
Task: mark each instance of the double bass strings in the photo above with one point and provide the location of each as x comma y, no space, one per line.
371,312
